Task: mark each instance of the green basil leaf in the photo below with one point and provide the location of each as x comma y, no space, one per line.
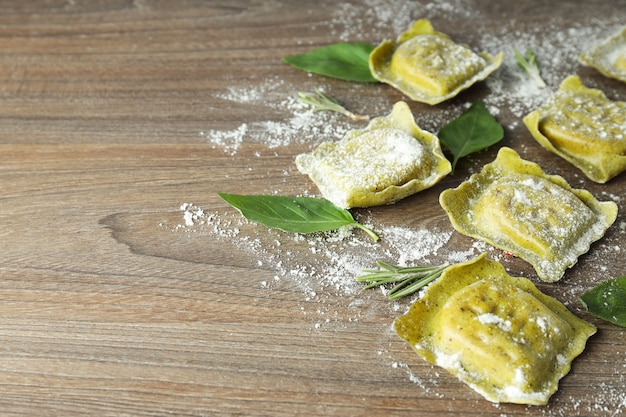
608,301
473,131
345,61
293,214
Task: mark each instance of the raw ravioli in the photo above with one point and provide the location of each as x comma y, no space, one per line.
428,66
584,127
609,57
498,334
513,205
390,159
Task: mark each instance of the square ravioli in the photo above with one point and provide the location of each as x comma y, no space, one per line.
428,66
498,334
390,159
608,57
584,127
513,205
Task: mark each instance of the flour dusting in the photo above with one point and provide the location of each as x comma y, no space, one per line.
301,124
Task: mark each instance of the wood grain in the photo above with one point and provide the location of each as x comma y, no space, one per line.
111,305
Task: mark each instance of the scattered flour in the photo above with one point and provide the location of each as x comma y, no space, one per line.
491,318
379,19
412,245
556,52
338,256
300,125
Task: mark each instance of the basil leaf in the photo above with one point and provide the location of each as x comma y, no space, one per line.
473,131
345,61
608,301
293,214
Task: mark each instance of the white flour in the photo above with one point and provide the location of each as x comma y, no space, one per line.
339,255
300,124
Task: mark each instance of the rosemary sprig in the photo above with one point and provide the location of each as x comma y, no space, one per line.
406,279
530,65
321,101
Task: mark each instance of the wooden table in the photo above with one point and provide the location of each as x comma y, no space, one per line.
128,287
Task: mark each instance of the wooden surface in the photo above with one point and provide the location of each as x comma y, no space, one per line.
114,114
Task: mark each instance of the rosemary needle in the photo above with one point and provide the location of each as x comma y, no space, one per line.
321,101
406,279
528,62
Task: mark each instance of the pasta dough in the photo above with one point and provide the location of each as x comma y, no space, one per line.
584,127
609,57
428,66
498,334
513,205
390,159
